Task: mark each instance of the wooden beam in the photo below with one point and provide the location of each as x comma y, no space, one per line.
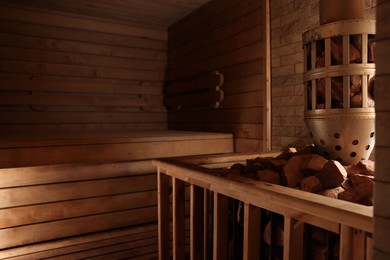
252,232
293,239
178,205
221,219
163,215
196,223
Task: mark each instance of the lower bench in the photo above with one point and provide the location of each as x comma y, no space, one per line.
88,207
138,242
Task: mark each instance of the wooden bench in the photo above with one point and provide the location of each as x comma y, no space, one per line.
89,196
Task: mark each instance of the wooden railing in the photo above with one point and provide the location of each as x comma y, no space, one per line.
210,192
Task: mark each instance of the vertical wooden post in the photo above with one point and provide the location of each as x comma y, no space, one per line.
252,232
196,223
163,215
208,221
221,217
352,243
369,247
178,202
293,239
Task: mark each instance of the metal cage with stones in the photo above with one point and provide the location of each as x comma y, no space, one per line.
339,89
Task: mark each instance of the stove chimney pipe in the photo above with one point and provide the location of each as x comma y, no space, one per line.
340,10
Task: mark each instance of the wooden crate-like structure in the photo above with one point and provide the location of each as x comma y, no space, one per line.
352,222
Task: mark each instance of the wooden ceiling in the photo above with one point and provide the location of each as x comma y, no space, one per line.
155,13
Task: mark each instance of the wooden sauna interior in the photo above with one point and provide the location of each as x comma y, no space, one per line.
93,90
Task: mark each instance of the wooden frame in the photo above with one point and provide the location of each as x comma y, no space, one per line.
353,222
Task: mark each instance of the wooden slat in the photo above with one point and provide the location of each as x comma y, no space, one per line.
13,197
29,42
109,152
242,115
45,18
195,84
79,85
90,247
158,13
293,239
243,100
233,13
252,232
34,55
73,34
221,218
27,176
197,223
211,98
59,129
242,39
79,117
250,52
163,217
178,205
128,249
241,130
75,244
79,71
27,215
52,99
58,229
219,35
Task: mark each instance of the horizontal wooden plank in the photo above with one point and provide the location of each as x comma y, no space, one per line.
110,152
250,131
79,71
46,18
77,117
157,13
208,80
237,41
206,99
146,137
79,35
232,14
79,243
27,195
248,53
64,129
45,56
244,69
25,176
58,229
82,109
124,249
47,44
79,85
27,215
61,99
86,248
243,100
242,115
219,35
140,253
248,145
244,84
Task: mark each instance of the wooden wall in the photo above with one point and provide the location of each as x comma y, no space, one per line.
228,36
64,73
382,146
